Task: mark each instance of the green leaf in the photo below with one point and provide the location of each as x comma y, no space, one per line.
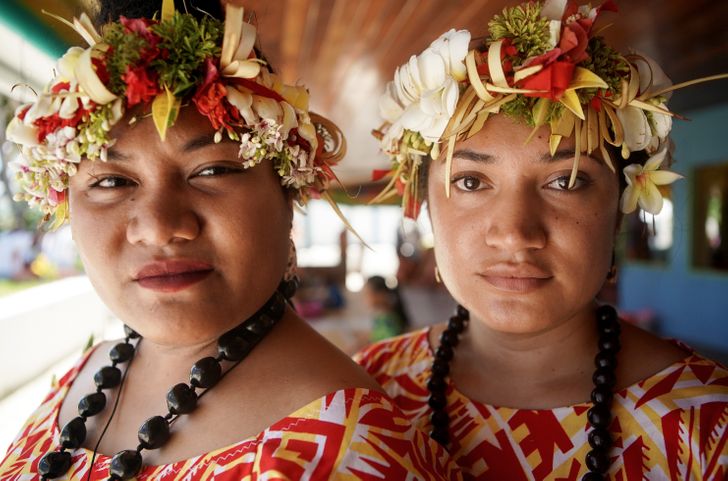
164,111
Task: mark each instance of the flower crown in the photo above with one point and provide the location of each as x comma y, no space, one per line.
167,61
542,64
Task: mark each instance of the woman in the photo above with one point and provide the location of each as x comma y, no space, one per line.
177,155
531,131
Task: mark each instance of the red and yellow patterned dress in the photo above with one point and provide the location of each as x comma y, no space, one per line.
351,434
671,426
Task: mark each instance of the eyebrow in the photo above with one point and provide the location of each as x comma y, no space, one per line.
196,143
468,154
474,156
199,142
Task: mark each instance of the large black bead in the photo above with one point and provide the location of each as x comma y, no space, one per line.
444,353
440,368
276,306
456,324
599,416
440,418
440,435
599,438
261,324
461,312
601,395
436,384
107,377
181,399
54,464
74,433
437,400
449,338
205,373
125,464
606,313
233,347
154,432
91,404
605,359
604,377
597,460
609,343
130,333
592,476
288,288
122,352
610,329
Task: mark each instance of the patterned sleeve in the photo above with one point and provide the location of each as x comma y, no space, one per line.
354,434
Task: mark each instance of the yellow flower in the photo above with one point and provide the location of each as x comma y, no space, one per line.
642,182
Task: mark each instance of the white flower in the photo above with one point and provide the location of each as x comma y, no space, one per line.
637,131
425,90
642,182
644,130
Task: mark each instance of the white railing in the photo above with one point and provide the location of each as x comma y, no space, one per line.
45,324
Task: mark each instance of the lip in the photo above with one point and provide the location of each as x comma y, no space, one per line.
172,275
516,278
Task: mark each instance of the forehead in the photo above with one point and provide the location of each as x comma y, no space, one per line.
501,136
136,131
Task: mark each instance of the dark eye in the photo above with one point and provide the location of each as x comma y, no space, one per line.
469,183
214,170
562,183
111,182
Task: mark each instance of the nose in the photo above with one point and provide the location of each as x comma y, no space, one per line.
162,215
516,221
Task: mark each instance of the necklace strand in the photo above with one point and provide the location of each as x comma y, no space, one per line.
599,415
233,346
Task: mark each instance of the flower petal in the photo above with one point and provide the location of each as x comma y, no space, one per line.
650,199
431,70
629,199
654,162
637,132
664,177
661,123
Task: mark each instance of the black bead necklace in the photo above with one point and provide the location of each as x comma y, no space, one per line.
599,415
233,346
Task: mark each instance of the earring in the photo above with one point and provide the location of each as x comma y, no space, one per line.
292,265
612,272
437,275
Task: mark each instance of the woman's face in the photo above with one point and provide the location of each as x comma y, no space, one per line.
178,239
512,243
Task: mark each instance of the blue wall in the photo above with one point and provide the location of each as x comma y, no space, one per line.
691,304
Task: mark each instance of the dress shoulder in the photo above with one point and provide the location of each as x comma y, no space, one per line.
408,353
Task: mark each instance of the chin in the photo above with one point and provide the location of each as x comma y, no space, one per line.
513,316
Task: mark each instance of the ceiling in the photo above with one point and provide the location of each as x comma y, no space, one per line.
346,50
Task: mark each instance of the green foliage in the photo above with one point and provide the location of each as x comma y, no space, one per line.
185,41
606,63
525,26
125,51
189,42
520,109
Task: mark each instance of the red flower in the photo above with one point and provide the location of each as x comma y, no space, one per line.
554,79
211,101
48,125
140,87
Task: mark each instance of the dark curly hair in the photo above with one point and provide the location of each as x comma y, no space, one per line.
111,10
